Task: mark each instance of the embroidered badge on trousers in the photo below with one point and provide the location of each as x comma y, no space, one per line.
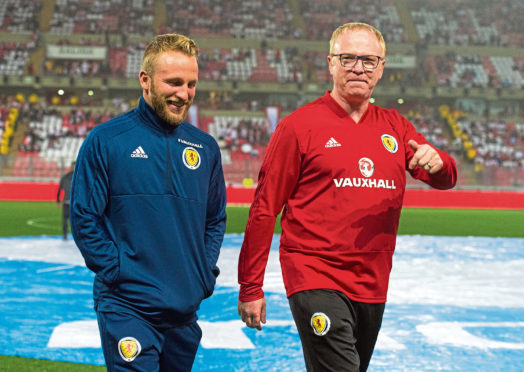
129,348
320,323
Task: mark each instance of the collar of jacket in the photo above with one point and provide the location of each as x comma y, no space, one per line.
152,119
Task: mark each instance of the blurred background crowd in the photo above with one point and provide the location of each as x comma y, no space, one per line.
455,68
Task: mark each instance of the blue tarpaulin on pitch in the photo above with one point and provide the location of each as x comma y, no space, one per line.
455,304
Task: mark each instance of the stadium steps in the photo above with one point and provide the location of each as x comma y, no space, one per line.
36,58
18,137
407,21
322,76
488,66
46,15
159,15
263,71
297,20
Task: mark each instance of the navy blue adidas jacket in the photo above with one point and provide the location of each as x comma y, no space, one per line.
148,214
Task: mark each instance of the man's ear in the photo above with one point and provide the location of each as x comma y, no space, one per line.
382,64
145,80
329,59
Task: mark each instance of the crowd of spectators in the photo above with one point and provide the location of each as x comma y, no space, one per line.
14,58
271,19
230,101
50,131
120,62
455,22
6,102
322,17
469,22
47,125
448,22
13,111
464,22
477,72
20,16
497,142
509,17
288,65
460,20
243,142
316,70
234,132
464,71
78,68
99,17
264,64
428,122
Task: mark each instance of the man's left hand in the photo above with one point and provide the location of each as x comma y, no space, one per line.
253,313
425,157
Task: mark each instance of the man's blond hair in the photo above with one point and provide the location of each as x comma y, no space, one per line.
165,43
356,26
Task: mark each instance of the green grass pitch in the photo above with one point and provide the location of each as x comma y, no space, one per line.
43,218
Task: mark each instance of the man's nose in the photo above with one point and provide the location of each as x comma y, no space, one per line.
359,66
183,93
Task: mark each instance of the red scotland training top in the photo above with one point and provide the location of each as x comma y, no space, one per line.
341,185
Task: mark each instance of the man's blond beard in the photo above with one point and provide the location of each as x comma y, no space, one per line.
160,106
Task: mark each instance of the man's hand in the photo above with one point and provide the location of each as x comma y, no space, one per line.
253,313
426,157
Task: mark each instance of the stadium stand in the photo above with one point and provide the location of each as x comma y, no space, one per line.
509,72
99,17
51,138
13,58
469,22
268,65
476,71
323,16
463,55
19,16
233,19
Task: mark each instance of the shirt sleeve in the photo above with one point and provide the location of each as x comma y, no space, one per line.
444,179
89,196
215,215
277,179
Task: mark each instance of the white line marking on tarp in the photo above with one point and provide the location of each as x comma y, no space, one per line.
454,333
56,268
215,335
75,335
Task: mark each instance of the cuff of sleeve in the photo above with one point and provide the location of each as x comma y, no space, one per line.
447,176
250,293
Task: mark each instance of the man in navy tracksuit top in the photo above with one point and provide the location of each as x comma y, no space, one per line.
148,214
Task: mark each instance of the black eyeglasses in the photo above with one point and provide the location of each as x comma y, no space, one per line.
350,60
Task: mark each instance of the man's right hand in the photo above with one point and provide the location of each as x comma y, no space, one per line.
253,313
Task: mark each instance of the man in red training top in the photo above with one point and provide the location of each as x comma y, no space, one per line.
338,167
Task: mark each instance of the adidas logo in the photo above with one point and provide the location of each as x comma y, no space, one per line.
139,153
332,143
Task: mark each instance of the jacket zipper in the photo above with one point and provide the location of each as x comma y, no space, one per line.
168,165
